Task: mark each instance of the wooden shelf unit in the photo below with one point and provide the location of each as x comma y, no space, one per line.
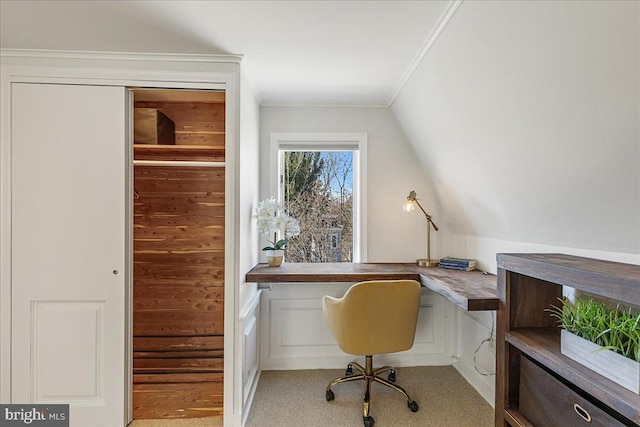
528,284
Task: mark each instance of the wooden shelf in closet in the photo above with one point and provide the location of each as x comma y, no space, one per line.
200,153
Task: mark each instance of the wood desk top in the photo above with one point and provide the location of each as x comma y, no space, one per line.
470,290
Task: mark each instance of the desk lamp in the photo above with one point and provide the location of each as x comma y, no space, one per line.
409,206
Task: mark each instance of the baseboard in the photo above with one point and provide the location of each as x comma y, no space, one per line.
485,386
246,407
339,362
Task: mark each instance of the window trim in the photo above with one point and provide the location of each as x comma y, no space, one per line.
323,141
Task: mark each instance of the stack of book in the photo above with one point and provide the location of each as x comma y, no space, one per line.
458,263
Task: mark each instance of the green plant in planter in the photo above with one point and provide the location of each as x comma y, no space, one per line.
613,329
276,245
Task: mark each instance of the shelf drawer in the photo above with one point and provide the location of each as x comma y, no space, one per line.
546,402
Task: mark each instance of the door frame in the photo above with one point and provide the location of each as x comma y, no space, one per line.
196,72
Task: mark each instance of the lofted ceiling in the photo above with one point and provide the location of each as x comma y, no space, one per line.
295,52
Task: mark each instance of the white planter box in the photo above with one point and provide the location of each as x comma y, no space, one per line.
607,363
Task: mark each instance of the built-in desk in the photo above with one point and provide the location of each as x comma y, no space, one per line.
470,290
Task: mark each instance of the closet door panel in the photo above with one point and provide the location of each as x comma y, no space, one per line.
68,189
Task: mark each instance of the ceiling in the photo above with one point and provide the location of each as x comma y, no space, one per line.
295,52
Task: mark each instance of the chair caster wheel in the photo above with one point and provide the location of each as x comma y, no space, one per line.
413,406
392,376
349,371
368,421
330,396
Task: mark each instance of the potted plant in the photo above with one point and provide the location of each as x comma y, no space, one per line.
604,339
273,219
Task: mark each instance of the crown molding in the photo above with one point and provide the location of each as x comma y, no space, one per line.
424,49
322,105
122,56
246,72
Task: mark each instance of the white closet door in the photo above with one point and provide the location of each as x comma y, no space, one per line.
68,159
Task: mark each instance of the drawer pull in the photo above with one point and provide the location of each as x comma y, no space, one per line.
582,412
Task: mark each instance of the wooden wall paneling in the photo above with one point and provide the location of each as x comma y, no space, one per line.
177,365
190,116
178,400
178,300
178,343
199,132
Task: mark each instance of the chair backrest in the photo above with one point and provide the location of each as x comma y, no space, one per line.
374,317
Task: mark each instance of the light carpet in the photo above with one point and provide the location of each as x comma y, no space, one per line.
172,422
297,398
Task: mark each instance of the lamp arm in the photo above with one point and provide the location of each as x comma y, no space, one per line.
435,227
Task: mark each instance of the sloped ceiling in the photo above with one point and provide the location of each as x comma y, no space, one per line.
527,118
294,51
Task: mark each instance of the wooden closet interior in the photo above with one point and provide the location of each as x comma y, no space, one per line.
178,253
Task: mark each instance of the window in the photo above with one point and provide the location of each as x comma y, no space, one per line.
319,181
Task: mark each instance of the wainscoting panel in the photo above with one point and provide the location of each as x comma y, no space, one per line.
294,334
473,329
250,355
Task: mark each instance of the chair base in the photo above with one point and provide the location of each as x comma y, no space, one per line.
369,375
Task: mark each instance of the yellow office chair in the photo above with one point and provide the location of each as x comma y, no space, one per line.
373,318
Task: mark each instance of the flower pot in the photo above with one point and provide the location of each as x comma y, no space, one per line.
609,364
275,257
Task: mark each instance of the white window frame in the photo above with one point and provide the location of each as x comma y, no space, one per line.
312,141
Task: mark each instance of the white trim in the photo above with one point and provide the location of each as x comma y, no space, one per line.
250,395
483,384
285,104
250,306
128,365
424,49
323,141
118,56
249,314
232,408
484,387
251,83
137,79
5,237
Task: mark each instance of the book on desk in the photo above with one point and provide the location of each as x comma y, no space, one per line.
460,264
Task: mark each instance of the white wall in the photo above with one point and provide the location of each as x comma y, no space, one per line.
247,177
246,340
393,170
526,117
